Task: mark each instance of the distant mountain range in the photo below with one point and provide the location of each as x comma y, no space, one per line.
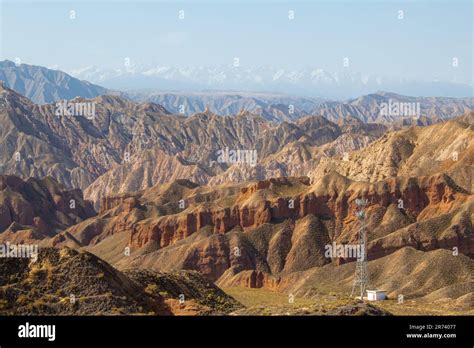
43,85
310,82
271,106
277,107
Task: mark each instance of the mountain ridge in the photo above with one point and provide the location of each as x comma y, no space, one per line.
43,85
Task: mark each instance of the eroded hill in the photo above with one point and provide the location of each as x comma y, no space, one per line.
67,282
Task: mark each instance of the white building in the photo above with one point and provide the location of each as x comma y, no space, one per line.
376,295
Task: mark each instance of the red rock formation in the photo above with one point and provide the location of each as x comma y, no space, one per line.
250,279
425,196
128,200
275,237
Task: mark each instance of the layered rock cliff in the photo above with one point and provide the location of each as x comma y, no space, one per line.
275,226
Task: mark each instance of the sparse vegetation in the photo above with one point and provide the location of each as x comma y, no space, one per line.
151,289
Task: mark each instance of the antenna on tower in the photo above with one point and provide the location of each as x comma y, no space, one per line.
361,276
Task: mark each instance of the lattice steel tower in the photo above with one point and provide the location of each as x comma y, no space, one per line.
361,276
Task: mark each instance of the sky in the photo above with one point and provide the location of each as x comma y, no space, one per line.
423,44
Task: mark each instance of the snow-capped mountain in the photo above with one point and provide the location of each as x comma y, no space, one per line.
304,81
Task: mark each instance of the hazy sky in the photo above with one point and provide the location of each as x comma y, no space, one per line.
370,33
